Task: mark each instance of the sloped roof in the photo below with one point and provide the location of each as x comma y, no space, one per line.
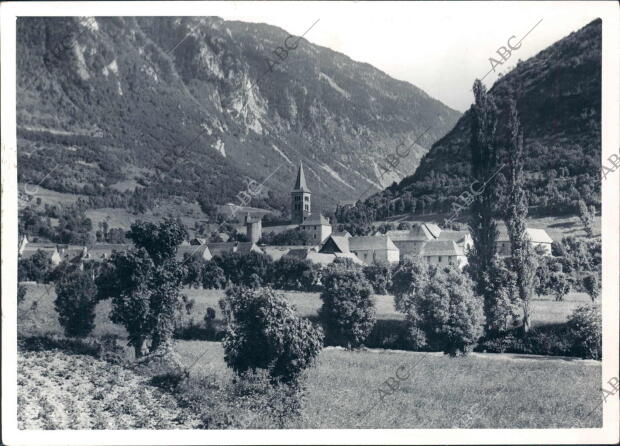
371,242
420,232
194,250
104,250
434,229
457,236
349,255
320,258
300,182
398,234
535,235
315,219
341,242
238,247
441,248
30,249
341,234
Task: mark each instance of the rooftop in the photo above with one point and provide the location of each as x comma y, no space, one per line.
441,248
371,242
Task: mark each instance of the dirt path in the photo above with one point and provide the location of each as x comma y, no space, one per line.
61,391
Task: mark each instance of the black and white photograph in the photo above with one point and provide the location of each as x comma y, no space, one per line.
310,222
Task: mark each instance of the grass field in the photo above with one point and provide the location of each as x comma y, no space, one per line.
44,320
478,391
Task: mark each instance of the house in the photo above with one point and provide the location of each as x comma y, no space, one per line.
102,251
444,252
49,249
317,227
198,251
461,238
218,249
374,249
335,244
410,242
537,237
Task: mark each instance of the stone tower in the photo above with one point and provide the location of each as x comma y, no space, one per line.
300,198
253,228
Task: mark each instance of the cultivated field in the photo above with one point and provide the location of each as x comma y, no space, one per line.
57,390
61,391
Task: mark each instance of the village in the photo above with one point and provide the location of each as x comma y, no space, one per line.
423,240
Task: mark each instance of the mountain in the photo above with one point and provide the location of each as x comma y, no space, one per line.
558,94
129,111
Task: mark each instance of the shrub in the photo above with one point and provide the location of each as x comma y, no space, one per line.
379,276
75,303
264,332
585,326
348,310
452,315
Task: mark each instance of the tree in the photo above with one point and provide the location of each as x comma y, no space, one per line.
482,225
264,332
380,277
592,285
523,259
586,216
408,284
144,284
348,311
160,241
450,314
291,273
212,276
75,303
35,267
559,285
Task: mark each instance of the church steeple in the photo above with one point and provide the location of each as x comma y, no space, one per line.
300,197
300,183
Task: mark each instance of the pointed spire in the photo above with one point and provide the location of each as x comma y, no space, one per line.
300,183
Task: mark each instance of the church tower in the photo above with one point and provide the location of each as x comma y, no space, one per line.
300,198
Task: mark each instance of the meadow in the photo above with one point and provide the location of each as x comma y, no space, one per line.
477,391
545,310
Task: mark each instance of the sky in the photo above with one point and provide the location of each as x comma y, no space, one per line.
440,47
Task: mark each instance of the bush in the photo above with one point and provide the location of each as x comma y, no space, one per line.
379,276
264,332
75,303
451,314
348,310
585,327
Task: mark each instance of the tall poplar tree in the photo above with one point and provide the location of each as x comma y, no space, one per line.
482,224
523,258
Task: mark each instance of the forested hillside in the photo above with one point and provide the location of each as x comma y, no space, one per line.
558,94
131,111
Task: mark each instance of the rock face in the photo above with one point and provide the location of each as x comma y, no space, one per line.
128,99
